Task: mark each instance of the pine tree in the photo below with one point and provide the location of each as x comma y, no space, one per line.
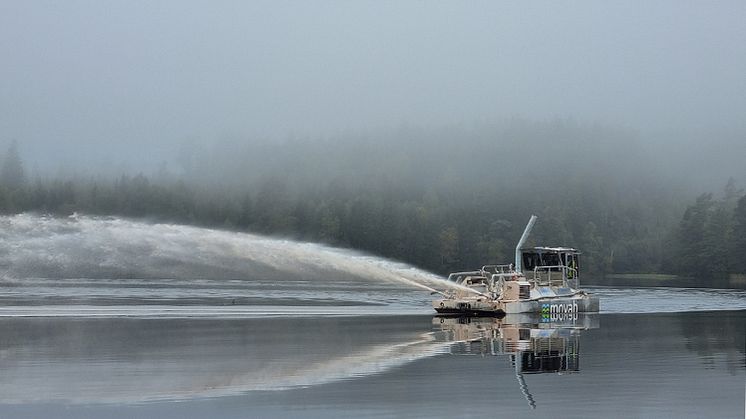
738,242
715,243
690,243
731,194
12,175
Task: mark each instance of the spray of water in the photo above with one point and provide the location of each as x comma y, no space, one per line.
97,247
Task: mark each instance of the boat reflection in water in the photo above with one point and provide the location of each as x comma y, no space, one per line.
535,344
123,361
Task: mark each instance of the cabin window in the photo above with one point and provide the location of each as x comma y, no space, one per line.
530,261
550,259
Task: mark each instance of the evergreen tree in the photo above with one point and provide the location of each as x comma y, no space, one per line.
715,242
738,249
449,248
731,194
690,243
592,243
12,175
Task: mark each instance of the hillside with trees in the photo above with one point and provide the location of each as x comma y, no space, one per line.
442,200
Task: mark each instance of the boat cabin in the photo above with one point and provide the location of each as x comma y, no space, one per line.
549,265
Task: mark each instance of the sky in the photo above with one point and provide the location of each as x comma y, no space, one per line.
115,81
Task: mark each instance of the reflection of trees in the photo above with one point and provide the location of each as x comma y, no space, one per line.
716,333
136,360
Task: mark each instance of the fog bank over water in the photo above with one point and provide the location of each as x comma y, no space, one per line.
123,85
419,132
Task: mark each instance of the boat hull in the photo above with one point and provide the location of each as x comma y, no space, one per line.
578,303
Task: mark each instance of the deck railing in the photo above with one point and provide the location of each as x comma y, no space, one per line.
455,275
557,275
498,269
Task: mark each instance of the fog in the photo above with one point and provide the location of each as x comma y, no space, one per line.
423,132
124,85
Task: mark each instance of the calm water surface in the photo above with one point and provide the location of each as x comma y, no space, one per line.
183,349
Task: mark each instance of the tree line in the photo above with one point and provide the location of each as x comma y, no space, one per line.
442,208
711,238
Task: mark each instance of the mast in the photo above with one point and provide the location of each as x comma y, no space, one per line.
526,232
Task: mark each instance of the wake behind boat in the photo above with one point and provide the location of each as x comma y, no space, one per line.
543,280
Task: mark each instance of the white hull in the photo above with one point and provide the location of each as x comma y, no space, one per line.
578,303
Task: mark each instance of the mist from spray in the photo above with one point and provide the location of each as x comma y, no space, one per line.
35,246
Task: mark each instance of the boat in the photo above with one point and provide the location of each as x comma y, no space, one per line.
542,280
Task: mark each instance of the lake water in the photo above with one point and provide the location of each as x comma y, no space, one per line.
235,348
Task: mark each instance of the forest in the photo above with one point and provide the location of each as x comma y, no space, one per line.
443,200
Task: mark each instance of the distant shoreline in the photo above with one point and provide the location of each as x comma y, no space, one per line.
733,281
